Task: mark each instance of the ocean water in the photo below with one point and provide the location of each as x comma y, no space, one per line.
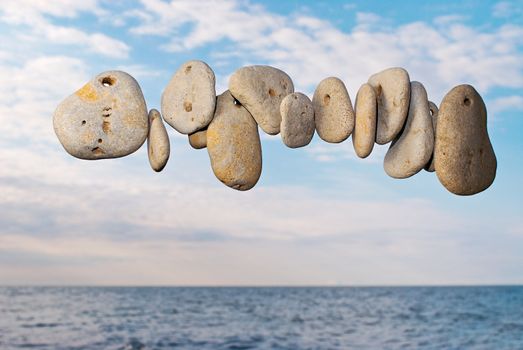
261,318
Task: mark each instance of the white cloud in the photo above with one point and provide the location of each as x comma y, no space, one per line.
507,103
35,15
507,9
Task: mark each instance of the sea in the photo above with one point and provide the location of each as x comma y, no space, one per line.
129,318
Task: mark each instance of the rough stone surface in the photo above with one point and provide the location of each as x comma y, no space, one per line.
189,99
260,89
434,113
234,145
106,118
412,149
364,134
333,112
198,140
297,123
464,158
158,146
392,88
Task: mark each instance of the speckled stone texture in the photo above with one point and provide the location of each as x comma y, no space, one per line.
233,144
333,112
364,134
297,124
261,89
411,151
106,118
392,88
158,146
189,99
464,158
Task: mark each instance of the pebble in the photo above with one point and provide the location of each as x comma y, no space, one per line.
392,88
412,149
297,124
233,144
464,159
261,89
364,135
198,139
434,113
189,99
158,147
106,118
333,112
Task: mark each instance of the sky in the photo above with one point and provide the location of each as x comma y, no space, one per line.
318,215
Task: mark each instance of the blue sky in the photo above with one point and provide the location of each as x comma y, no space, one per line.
319,215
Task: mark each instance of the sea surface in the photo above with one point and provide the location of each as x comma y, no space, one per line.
261,318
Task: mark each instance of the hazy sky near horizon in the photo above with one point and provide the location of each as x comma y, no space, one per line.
319,215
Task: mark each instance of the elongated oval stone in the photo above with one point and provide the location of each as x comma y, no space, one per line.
106,118
364,135
333,112
297,123
234,145
434,114
392,88
409,153
158,146
464,158
198,139
189,99
260,89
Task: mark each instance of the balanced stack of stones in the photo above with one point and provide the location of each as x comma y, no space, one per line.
108,118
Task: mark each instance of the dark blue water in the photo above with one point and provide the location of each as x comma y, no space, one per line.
261,318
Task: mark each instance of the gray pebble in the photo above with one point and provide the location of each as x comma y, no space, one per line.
464,158
333,112
158,146
234,145
364,134
434,113
260,89
106,118
412,149
297,124
198,139
392,88
189,99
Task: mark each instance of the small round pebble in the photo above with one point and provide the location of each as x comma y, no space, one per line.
333,112
198,139
297,124
189,99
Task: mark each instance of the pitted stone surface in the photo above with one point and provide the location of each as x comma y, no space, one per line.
189,99
106,118
333,112
261,89
464,159
297,124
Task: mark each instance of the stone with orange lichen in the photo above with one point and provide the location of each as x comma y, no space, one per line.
261,89
333,112
106,118
233,144
392,87
463,156
158,146
413,147
189,99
